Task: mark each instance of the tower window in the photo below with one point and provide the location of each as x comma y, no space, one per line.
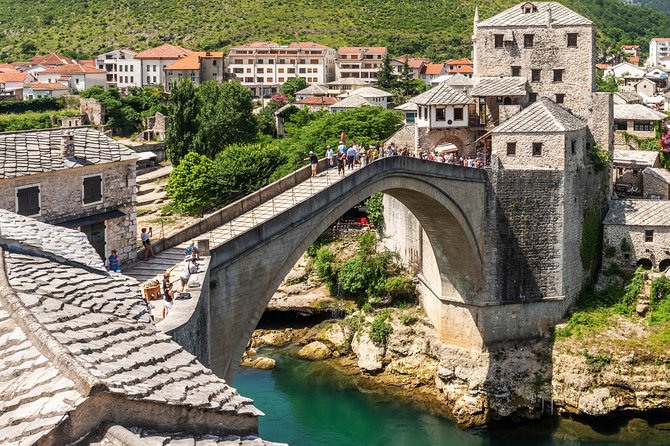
528,40
537,149
498,40
572,40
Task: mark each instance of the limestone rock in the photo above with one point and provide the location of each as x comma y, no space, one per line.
597,402
471,411
258,362
370,355
315,351
338,336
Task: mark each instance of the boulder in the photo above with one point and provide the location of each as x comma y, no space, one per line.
471,411
315,351
370,355
337,336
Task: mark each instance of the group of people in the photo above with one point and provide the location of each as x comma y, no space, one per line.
452,158
189,268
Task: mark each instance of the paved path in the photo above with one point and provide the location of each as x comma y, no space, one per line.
143,271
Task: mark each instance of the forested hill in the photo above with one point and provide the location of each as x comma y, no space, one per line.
659,5
434,28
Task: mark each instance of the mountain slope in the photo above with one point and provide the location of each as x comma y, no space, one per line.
658,5
435,28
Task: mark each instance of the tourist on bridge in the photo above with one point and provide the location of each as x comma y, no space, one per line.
313,161
191,251
329,156
168,294
341,160
341,148
351,156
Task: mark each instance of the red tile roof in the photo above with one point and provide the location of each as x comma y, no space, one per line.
362,49
51,59
630,47
12,76
434,68
413,62
602,66
165,51
466,69
317,100
306,45
73,68
633,59
192,61
46,86
661,39
462,61
87,62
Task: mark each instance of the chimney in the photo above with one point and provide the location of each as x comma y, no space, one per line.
549,17
67,144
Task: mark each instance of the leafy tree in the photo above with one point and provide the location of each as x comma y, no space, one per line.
292,86
608,84
386,79
191,188
183,121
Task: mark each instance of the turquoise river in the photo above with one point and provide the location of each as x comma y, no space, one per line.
311,404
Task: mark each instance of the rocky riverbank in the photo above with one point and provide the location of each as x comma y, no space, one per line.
609,372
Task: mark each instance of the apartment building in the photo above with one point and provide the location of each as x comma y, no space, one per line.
264,66
659,53
155,60
123,70
198,67
360,62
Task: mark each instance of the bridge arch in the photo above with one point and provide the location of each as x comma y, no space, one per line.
448,201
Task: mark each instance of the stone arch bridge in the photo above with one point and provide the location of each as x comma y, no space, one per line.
457,209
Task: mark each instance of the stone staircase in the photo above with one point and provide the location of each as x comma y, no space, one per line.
403,138
156,266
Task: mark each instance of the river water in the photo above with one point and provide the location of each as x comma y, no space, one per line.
311,404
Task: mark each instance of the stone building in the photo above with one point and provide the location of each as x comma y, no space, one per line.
198,67
633,122
637,233
74,177
550,45
82,362
656,183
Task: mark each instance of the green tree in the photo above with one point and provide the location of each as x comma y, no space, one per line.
183,121
191,187
292,86
386,79
606,83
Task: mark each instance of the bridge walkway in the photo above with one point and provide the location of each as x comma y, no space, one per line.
155,267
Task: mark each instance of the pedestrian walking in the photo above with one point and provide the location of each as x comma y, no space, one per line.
145,236
329,157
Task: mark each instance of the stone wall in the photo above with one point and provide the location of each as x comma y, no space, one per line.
656,251
655,184
61,194
553,150
93,109
549,52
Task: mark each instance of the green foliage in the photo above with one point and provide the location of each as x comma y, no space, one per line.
596,363
292,86
407,319
32,120
607,84
610,251
183,123
660,301
380,330
125,113
321,240
625,245
325,268
601,159
375,210
191,187
400,289
45,103
591,236
648,144
386,79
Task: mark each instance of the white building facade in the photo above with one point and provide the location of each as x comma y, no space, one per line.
659,53
263,67
123,70
154,60
363,63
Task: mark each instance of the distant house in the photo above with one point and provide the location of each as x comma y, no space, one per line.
362,63
625,70
432,71
409,109
35,90
76,77
313,90
375,96
344,85
41,63
632,53
350,102
646,87
415,65
456,81
11,84
659,53
315,103
462,66
123,70
637,120
442,107
198,67
77,178
639,232
154,60
627,169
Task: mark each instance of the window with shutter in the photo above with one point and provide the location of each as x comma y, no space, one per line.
92,189
28,200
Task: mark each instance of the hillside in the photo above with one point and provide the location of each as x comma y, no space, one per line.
437,29
658,5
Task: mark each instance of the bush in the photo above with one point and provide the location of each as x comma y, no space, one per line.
325,269
321,240
32,105
399,289
191,188
660,301
381,330
625,245
375,210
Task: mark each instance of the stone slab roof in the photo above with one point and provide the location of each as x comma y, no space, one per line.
407,106
313,90
515,16
638,213
441,94
657,172
353,101
500,86
74,336
25,153
367,92
542,116
459,80
637,157
637,112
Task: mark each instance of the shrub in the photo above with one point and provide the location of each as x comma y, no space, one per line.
191,188
325,269
407,319
375,210
660,300
610,251
399,288
381,330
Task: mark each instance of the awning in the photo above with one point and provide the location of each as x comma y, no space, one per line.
91,219
446,148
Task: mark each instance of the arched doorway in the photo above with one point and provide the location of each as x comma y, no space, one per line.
645,263
664,265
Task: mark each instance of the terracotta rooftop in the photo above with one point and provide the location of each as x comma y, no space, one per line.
630,47
307,45
51,59
192,61
441,95
317,100
661,39
74,68
12,76
542,116
165,51
515,16
462,61
25,153
43,86
79,350
413,63
362,50
638,213
434,68
466,69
